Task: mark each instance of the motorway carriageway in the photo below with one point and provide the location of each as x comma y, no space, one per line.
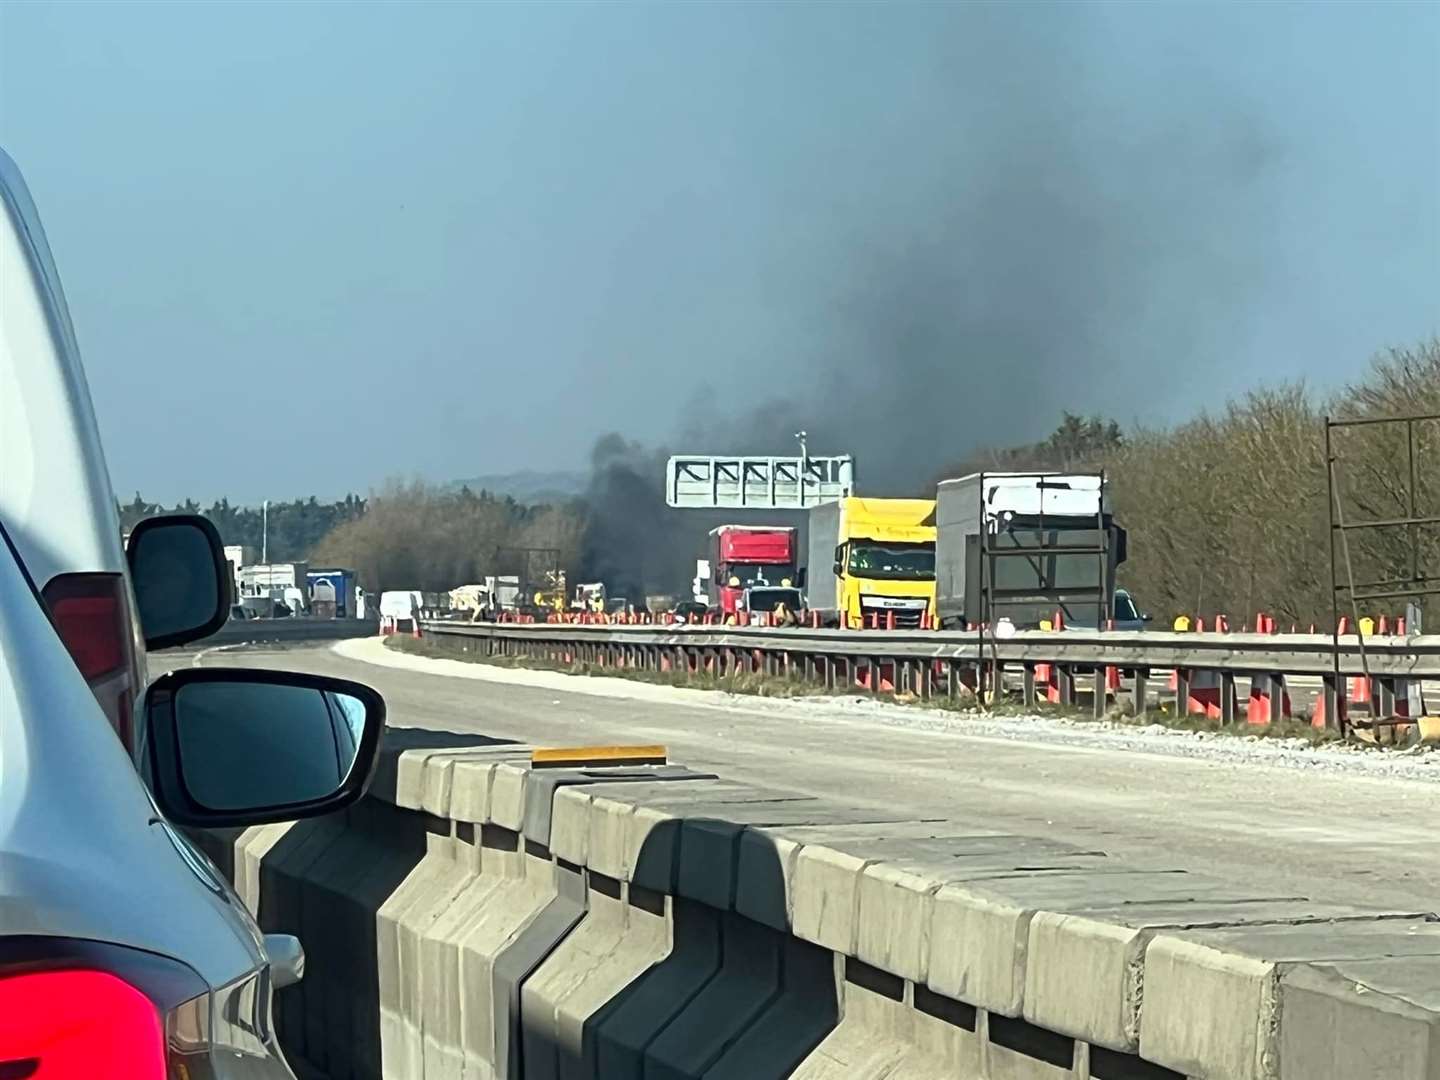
1346,831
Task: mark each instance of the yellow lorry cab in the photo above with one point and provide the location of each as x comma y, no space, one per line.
870,559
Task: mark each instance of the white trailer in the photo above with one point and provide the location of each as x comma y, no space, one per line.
1022,546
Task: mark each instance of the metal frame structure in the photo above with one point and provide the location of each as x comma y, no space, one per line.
1416,585
711,481
985,625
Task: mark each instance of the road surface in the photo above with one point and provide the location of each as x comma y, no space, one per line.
1343,828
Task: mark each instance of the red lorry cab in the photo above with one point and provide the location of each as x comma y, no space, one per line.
743,557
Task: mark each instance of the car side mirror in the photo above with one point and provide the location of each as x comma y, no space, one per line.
180,577
1147,617
287,959
235,747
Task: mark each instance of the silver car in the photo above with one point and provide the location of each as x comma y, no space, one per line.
122,952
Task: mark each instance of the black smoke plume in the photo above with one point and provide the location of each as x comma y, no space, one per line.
1066,243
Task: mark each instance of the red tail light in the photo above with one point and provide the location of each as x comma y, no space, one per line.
92,617
89,613
77,1025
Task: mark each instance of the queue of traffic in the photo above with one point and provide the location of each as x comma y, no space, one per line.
991,547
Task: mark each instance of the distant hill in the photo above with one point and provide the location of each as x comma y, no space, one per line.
530,486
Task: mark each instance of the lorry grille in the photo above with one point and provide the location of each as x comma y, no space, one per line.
905,619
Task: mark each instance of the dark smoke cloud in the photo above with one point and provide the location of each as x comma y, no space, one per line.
635,543
1067,243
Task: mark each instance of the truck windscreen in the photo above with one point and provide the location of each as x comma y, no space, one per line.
744,574
893,562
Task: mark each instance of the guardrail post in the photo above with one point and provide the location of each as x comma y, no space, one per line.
1384,700
1066,676
1182,691
874,676
1027,685
1139,698
927,679
1332,699
1227,698
1101,697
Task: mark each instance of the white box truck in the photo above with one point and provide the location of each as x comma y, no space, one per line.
1021,546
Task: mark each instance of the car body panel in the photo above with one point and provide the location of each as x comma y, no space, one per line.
55,495
83,851
85,855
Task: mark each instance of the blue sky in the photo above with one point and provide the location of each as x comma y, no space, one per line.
309,247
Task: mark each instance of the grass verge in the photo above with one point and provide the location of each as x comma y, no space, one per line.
758,685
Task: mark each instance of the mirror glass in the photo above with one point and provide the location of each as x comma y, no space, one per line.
245,745
176,586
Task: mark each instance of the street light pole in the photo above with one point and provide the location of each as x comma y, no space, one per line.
265,533
804,468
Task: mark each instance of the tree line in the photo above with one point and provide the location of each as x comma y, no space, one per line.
295,528
406,535
418,536
1227,512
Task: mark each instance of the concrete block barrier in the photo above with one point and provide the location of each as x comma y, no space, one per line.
476,919
626,1027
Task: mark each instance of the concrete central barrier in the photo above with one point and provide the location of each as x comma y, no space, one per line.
474,919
